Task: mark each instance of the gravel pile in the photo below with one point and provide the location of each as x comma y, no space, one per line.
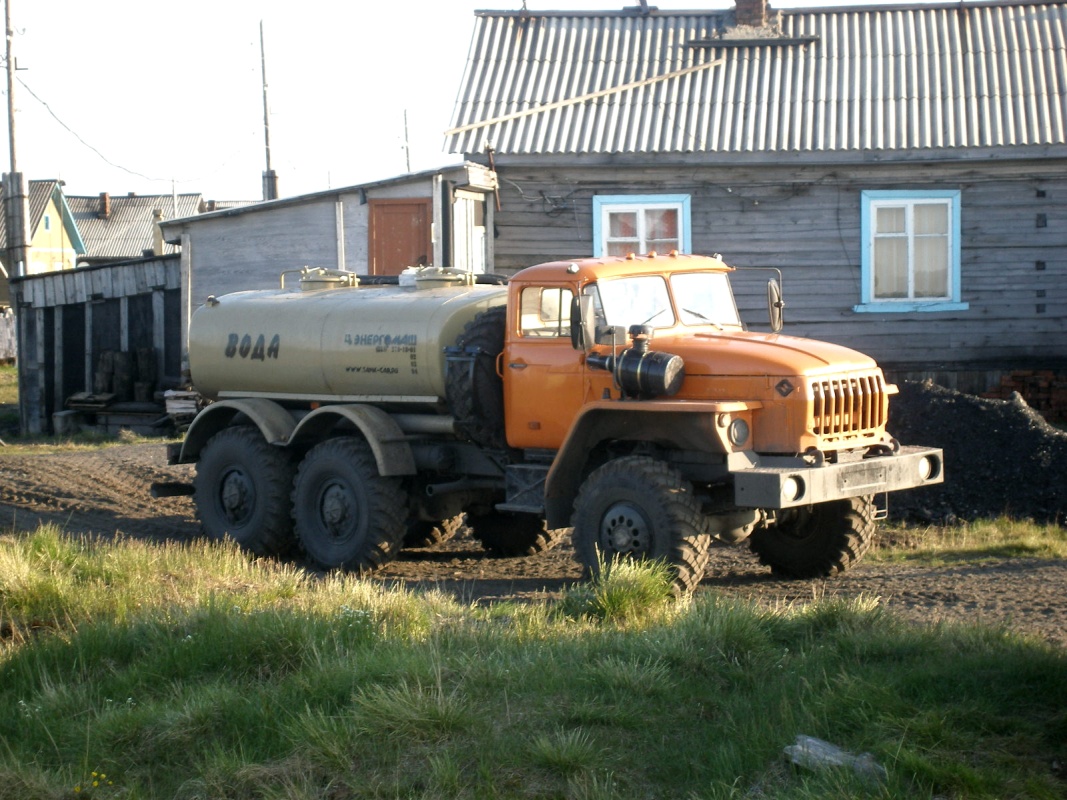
1001,457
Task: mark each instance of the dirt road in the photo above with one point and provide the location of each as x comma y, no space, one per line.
108,490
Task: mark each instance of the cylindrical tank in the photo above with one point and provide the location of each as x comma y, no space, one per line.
375,343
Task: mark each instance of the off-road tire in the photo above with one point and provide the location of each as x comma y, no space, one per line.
346,516
639,507
475,393
816,541
514,535
427,533
241,491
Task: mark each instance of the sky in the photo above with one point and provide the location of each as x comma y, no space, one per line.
126,96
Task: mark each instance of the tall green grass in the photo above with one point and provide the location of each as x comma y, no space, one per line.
195,672
982,540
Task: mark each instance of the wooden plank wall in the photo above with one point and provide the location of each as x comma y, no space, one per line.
65,319
805,220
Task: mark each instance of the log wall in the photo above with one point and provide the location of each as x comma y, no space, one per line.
805,220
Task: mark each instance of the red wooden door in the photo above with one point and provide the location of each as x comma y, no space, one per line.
399,235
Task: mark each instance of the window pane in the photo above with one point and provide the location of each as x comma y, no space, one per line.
545,312
931,218
890,268
931,266
622,224
661,223
621,248
663,245
889,220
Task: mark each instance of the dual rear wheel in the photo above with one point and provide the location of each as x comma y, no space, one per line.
335,505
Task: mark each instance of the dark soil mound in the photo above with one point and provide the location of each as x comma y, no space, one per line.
1001,457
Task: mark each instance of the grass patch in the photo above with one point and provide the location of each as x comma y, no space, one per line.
81,442
9,384
973,542
183,671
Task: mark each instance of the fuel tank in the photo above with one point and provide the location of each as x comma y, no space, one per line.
357,343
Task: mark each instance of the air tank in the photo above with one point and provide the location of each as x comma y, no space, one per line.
351,344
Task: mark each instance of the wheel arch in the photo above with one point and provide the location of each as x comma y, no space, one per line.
387,442
663,423
274,423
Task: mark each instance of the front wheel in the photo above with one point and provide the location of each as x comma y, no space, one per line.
241,491
640,508
816,541
346,515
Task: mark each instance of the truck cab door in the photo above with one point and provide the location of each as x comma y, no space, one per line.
543,374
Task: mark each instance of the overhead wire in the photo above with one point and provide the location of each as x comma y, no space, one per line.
108,161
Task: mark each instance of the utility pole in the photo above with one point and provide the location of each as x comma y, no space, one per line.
16,202
270,177
407,143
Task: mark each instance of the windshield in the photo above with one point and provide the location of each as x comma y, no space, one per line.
702,298
636,301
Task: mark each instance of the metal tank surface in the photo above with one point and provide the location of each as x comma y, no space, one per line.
357,343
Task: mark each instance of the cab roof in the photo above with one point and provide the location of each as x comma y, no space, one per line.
591,269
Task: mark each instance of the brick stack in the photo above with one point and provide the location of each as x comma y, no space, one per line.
1045,391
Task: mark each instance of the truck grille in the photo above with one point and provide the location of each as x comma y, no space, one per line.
844,406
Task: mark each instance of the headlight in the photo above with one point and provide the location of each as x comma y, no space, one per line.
738,432
926,468
792,488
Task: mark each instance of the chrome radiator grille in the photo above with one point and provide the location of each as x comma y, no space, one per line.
848,405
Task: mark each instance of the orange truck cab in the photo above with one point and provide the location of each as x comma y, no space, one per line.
645,358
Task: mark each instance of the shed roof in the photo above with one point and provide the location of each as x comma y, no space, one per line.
822,80
124,229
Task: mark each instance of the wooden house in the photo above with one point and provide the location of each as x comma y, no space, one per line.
905,167
55,243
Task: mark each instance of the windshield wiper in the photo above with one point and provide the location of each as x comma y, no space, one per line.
701,316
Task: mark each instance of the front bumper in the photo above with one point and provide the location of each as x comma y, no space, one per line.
788,485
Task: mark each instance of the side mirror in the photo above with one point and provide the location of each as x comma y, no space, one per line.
775,305
583,322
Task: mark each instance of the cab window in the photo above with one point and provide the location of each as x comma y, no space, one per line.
545,312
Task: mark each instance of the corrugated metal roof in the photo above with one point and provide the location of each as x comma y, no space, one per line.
883,78
127,231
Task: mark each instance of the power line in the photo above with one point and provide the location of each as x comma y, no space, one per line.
111,163
75,134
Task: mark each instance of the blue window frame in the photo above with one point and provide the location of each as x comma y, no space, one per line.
911,251
631,223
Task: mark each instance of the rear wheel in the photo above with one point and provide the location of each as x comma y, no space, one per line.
427,533
346,515
241,491
511,535
640,508
816,541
